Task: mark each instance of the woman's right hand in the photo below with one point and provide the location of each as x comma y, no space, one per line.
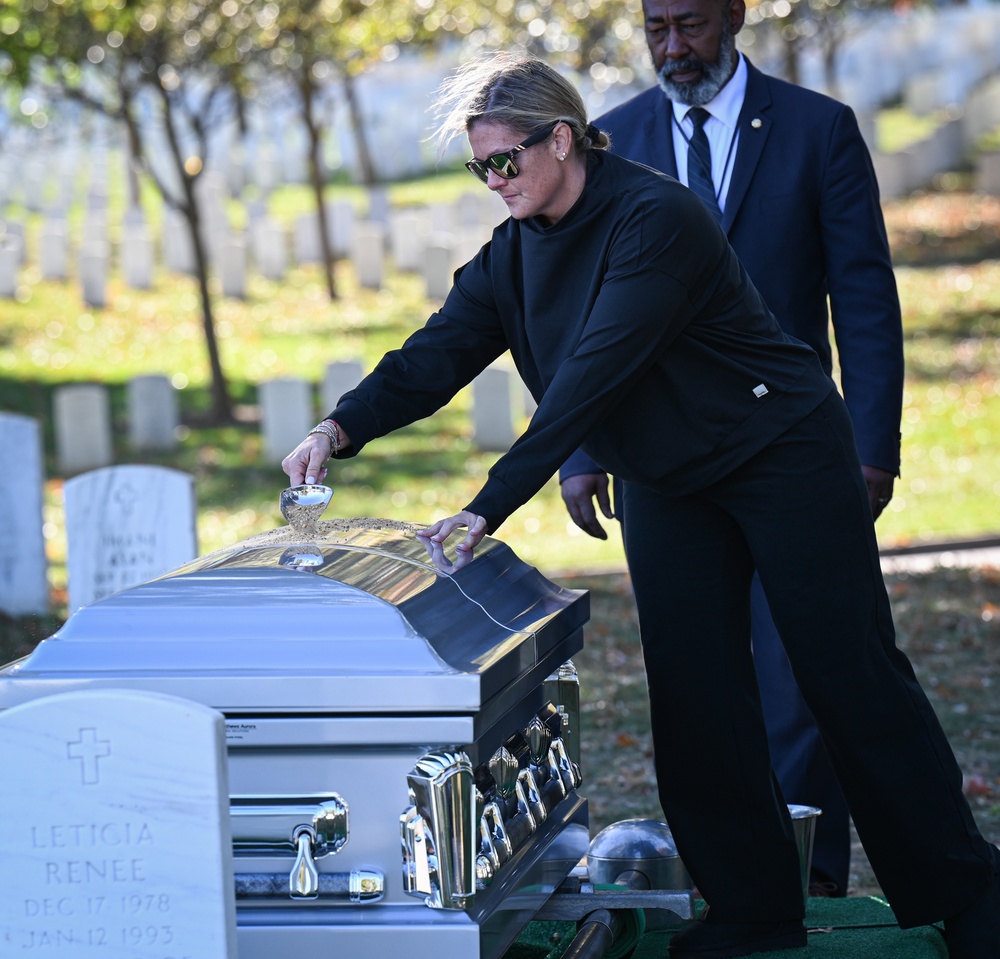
305,463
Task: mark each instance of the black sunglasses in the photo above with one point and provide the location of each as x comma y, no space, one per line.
503,164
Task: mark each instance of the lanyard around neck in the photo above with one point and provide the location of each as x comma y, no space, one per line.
729,154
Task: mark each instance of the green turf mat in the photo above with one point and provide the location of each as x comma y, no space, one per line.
853,928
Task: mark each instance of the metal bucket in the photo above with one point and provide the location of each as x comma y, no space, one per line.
804,826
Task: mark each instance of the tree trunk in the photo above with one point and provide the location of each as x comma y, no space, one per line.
134,152
368,175
317,176
791,58
222,411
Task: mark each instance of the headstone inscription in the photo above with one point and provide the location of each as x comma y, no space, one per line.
24,587
114,821
125,525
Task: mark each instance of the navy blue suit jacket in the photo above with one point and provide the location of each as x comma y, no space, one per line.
803,215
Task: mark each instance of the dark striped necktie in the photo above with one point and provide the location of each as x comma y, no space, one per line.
700,162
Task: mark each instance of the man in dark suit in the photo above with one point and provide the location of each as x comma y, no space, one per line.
787,173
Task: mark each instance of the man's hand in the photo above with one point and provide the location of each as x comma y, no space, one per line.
579,494
880,483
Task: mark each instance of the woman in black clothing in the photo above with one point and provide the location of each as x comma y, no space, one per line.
643,341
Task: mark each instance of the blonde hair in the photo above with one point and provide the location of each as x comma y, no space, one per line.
519,92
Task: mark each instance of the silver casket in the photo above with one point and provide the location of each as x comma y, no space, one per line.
401,732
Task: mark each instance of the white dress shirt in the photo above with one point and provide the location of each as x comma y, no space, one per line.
720,128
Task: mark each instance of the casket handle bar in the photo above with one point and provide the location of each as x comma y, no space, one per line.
303,882
357,886
307,827
438,831
463,825
517,788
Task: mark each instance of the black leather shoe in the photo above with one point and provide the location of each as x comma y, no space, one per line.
975,932
703,939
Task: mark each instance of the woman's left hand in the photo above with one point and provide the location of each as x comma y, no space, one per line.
443,528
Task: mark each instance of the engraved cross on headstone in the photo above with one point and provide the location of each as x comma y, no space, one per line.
88,749
126,497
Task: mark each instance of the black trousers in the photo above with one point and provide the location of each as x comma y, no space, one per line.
797,512
798,755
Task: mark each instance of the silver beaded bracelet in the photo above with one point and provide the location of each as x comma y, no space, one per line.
332,433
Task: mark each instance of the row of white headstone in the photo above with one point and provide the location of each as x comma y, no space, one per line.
947,147
124,524
432,240
128,523
84,430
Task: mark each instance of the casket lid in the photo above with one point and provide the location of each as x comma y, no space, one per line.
362,615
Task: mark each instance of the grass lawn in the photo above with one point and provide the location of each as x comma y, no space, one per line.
947,248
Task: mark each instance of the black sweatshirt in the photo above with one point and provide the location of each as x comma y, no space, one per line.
633,325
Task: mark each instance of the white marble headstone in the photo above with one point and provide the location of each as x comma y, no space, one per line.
339,377
988,173
115,830
137,257
126,525
286,413
82,416
305,239
10,257
34,187
178,247
341,220
493,410
378,205
468,207
24,587
409,230
53,250
266,170
443,217
153,413
12,234
94,229
94,264
233,267
439,265
368,254
269,247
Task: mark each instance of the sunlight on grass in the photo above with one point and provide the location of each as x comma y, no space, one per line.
899,128
950,480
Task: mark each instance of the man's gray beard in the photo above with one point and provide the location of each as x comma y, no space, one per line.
714,78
